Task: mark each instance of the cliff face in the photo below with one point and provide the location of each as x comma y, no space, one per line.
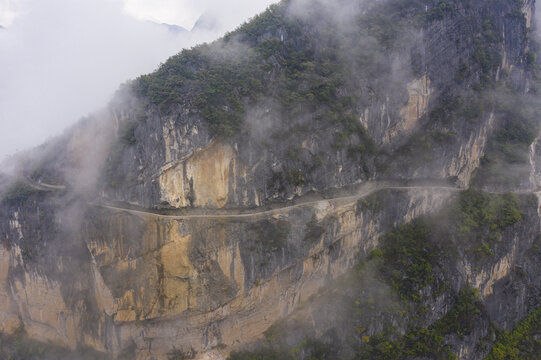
240,182
377,316
286,148
190,282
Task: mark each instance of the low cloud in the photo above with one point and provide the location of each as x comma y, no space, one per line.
63,59
8,12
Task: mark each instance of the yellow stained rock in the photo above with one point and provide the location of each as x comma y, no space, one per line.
202,178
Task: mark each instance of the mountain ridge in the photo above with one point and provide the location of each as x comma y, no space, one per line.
294,106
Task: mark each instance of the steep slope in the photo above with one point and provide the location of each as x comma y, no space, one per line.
241,183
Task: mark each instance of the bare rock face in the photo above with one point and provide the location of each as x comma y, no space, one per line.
148,231
201,180
278,156
196,282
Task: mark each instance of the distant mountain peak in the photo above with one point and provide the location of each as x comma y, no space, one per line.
208,21
174,28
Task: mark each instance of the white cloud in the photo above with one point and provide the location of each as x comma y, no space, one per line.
233,12
62,59
8,12
179,12
186,12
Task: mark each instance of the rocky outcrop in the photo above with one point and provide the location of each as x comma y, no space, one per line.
202,180
196,282
177,240
432,65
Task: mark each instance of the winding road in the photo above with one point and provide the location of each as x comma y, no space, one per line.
42,186
362,191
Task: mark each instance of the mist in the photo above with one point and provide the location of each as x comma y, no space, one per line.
63,59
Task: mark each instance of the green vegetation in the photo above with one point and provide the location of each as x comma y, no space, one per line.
412,254
113,173
272,234
531,59
469,106
487,54
268,22
448,111
506,161
388,21
397,279
374,203
419,149
443,136
310,350
480,218
461,319
128,135
417,342
313,230
263,354
410,258
426,342
522,343
438,12
221,80
18,193
295,177
177,354
18,346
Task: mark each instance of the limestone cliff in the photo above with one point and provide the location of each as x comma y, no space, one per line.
240,184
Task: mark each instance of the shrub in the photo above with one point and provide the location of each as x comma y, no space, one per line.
313,230
128,135
18,193
271,234
521,343
295,177
263,354
410,257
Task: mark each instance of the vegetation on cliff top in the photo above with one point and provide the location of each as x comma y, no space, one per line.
220,84
279,56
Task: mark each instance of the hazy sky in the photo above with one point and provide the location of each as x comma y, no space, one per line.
62,59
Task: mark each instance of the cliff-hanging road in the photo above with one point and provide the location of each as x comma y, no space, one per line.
42,186
365,190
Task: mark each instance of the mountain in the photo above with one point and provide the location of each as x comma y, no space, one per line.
208,21
332,180
174,28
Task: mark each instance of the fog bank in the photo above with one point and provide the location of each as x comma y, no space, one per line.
62,59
